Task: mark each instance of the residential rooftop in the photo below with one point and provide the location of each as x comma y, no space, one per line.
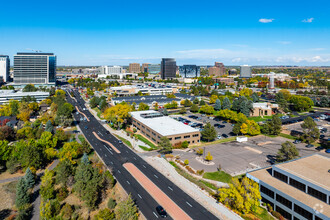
163,125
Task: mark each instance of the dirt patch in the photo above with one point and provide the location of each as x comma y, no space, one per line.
7,195
264,143
7,175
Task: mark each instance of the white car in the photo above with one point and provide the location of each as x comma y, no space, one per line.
219,137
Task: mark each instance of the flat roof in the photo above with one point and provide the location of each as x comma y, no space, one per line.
265,176
165,125
313,168
23,53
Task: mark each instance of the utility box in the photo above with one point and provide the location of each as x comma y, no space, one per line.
241,139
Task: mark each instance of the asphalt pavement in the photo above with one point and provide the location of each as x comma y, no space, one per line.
114,161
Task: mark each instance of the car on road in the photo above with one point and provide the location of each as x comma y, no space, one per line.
297,141
120,142
161,211
86,127
309,145
107,132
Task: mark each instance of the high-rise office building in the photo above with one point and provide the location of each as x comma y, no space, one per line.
134,68
110,69
35,68
154,68
189,71
221,67
168,68
245,71
4,68
144,68
214,71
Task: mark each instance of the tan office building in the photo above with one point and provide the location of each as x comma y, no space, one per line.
155,125
144,67
134,68
264,109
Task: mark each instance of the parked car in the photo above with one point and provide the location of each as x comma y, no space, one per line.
161,211
319,148
297,141
309,145
322,136
327,150
219,137
217,125
224,135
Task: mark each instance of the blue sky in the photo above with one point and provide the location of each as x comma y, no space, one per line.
107,32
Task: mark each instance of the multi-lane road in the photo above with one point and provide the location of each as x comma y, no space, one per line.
115,161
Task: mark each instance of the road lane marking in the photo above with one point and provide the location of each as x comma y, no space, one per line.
155,176
128,183
139,196
134,158
113,147
119,171
144,166
155,214
170,188
161,198
82,113
189,204
126,151
105,155
111,162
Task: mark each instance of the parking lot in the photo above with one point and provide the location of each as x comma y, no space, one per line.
237,158
222,127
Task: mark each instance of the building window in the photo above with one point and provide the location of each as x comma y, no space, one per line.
283,212
153,139
317,194
170,139
159,137
267,191
177,138
284,201
303,212
195,135
187,136
318,218
280,176
297,184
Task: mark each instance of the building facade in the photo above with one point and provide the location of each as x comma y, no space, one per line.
7,95
154,68
134,68
168,68
35,68
264,109
245,71
298,189
144,67
189,71
155,125
4,68
227,81
221,67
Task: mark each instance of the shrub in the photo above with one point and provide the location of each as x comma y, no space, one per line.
62,193
277,215
200,172
169,156
200,151
190,169
269,208
112,203
186,161
185,144
66,211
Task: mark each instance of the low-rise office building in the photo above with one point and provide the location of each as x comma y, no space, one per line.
6,95
155,125
128,90
298,189
264,109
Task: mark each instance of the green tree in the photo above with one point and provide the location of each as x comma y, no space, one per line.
236,105
29,178
194,108
185,144
183,110
126,210
202,102
196,101
93,102
111,203
165,145
22,194
226,103
237,128
200,151
311,132
29,88
288,151
187,103
143,107
217,105
47,185
301,103
49,126
255,97
207,109
209,133
104,214
281,101
63,171
273,127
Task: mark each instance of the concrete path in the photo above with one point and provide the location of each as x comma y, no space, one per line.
11,179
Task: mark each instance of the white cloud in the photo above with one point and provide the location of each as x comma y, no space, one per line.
308,20
284,42
317,49
266,20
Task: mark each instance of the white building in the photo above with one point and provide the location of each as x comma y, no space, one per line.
109,70
6,95
245,71
4,68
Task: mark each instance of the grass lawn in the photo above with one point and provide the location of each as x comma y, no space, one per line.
81,137
259,118
146,141
124,140
287,136
264,215
209,185
145,148
98,111
218,176
230,139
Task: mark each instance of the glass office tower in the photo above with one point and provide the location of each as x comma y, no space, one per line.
35,68
4,68
189,71
153,68
168,68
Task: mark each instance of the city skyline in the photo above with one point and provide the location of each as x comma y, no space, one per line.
279,33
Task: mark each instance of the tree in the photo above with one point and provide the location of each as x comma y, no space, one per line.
236,105
311,132
209,133
47,185
237,128
183,110
29,178
194,108
324,102
22,194
255,97
126,209
186,162
196,101
143,107
93,102
273,127
250,127
49,126
165,145
281,101
217,105
242,196
112,203
200,151
104,214
286,94
208,157
29,88
207,109
213,99
7,133
226,103
301,103
287,152
202,102
185,144
63,171
118,114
